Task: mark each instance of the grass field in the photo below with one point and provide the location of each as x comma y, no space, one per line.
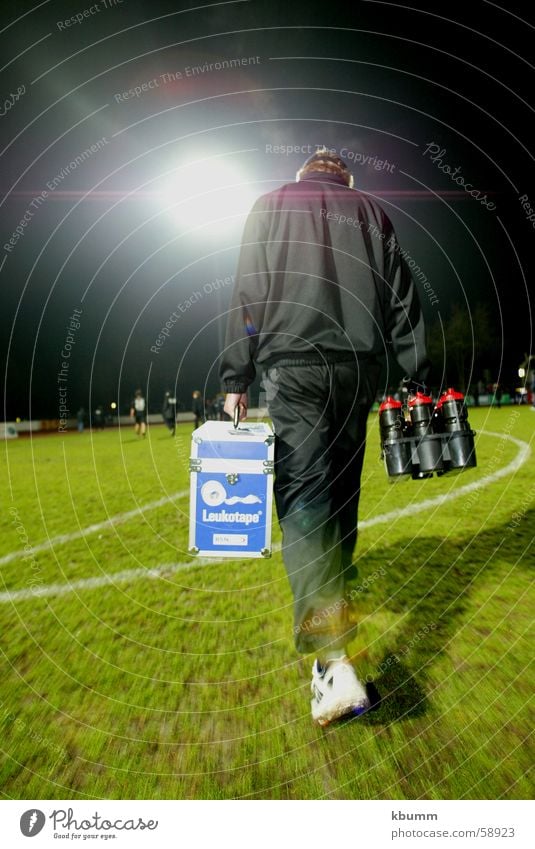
184,683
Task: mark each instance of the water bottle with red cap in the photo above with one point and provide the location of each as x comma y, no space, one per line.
396,447
427,445
459,449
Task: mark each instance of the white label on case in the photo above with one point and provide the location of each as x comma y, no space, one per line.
230,539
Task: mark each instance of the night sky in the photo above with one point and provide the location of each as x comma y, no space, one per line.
136,136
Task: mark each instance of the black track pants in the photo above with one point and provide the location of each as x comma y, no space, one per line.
319,414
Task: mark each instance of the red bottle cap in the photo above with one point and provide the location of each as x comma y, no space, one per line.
390,403
450,394
420,398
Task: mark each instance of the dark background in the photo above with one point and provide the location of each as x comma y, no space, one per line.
378,78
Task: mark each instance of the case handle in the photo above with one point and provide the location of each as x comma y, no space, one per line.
236,417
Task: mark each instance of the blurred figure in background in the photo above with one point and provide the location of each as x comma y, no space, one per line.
197,408
138,412
98,417
169,412
80,419
209,410
220,407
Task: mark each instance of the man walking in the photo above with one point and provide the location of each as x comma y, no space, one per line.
321,292
138,412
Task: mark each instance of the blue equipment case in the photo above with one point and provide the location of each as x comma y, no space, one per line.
231,490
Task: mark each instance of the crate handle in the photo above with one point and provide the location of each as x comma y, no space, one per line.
236,417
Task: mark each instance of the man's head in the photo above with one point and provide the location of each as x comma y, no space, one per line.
328,162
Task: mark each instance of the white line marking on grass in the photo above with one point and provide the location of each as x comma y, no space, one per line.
130,575
522,456
126,576
118,519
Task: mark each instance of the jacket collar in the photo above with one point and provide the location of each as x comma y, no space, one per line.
323,177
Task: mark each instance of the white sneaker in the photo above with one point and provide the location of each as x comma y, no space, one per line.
336,692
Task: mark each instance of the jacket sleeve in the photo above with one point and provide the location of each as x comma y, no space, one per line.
247,307
403,314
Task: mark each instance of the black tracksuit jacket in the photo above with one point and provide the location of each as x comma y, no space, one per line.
320,278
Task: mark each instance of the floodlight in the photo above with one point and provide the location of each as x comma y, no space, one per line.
211,196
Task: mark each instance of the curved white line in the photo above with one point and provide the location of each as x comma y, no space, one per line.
522,456
118,519
129,575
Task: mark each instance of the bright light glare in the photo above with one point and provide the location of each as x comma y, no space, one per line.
521,372
113,405
213,195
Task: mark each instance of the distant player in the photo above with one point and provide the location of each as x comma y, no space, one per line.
98,418
80,420
197,408
169,412
138,412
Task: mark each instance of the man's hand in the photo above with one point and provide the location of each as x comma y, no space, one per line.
232,399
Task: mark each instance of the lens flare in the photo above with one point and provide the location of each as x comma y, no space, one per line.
209,198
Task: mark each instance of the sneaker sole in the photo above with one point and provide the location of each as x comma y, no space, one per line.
342,710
